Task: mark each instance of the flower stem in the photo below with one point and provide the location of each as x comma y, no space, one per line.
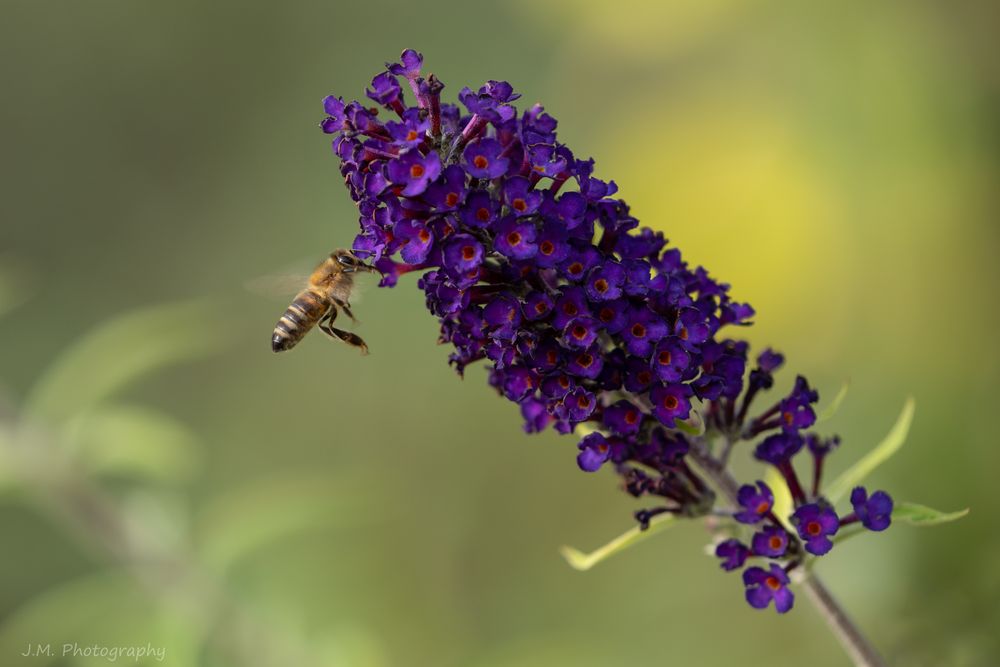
857,646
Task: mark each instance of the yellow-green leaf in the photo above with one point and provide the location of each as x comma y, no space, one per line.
579,560
831,409
119,352
920,515
782,496
873,459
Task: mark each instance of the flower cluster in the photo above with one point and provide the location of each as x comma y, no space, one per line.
589,322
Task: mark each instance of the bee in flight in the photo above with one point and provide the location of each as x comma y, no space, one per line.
328,289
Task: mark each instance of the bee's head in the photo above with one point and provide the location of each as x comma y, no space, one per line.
349,262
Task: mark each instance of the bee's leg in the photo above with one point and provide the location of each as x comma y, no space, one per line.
346,307
326,326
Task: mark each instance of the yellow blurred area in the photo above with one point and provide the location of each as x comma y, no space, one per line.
166,479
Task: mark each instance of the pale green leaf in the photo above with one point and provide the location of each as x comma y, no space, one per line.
579,560
136,442
783,505
876,457
920,515
119,352
693,425
830,410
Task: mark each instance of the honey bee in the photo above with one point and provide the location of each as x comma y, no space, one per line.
328,289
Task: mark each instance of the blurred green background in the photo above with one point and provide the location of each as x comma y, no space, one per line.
166,479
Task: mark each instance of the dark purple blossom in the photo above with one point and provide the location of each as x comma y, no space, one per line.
770,541
414,171
874,511
594,451
766,585
756,503
733,554
816,524
483,159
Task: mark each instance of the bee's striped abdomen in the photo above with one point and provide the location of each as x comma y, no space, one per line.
302,315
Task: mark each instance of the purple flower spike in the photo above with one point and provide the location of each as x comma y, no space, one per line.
482,159
771,541
766,585
755,501
875,511
414,171
816,523
536,269
733,554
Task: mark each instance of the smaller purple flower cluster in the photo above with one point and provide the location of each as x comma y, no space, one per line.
814,522
588,321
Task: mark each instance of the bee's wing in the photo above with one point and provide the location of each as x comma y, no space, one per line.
285,282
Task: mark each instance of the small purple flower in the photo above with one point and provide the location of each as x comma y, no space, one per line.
537,305
670,403
417,240
623,418
516,238
578,404
875,511
480,210
462,253
411,131
447,194
520,197
756,502
766,585
594,451
586,363
483,160
771,541
816,523
642,331
414,171
670,360
570,305
779,448
604,283
552,245
733,554
503,314
385,90
409,65
796,411
613,315
580,333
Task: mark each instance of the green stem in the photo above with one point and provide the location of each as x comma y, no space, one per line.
857,646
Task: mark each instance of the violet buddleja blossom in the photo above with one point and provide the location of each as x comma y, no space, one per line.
589,322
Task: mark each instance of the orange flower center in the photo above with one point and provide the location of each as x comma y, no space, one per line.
670,402
451,199
813,528
519,204
638,330
468,253
772,583
513,238
483,214
664,358
480,161
416,171
547,247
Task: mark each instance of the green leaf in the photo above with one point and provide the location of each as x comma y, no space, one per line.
830,410
118,353
920,515
693,425
579,560
783,505
136,442
873,459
